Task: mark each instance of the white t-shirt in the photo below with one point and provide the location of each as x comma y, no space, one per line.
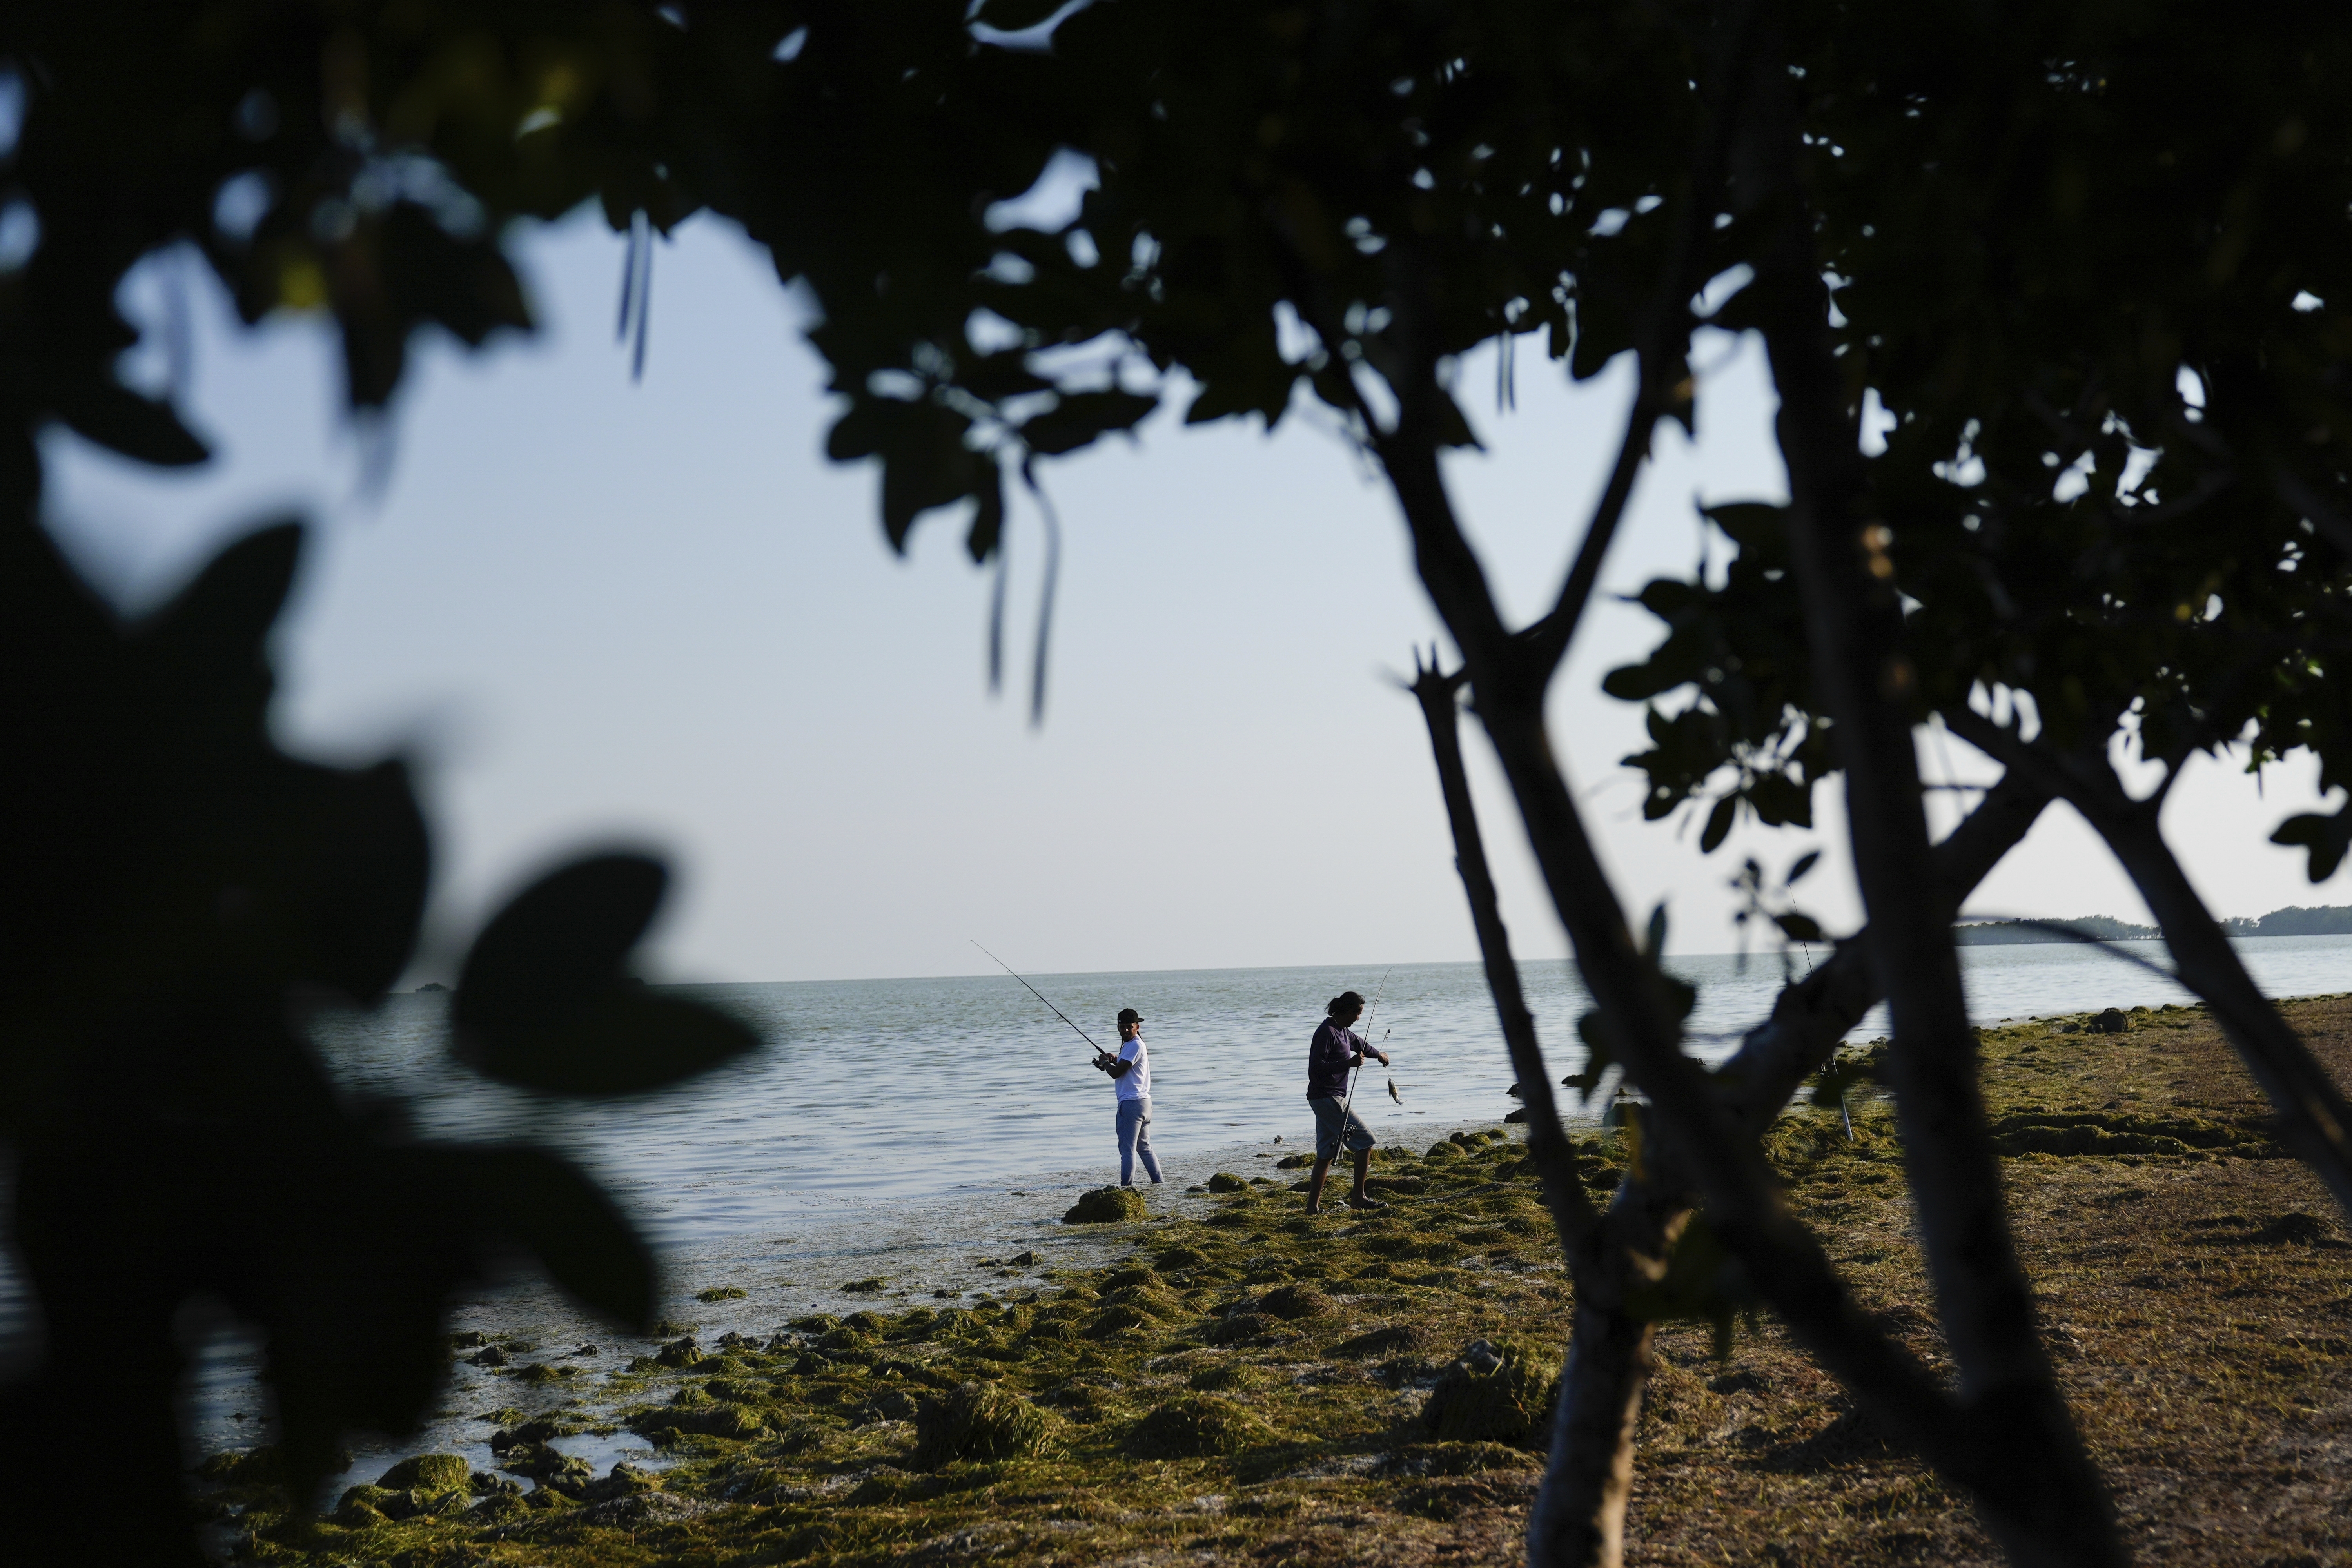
1137,1083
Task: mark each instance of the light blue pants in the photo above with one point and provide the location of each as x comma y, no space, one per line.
1134,1139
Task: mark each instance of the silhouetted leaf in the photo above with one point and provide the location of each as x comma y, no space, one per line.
547,958
1081,416
552,1207
120,420
218,625
1018,16
1804,863
622,1042
1799,927
1718,822
2326,839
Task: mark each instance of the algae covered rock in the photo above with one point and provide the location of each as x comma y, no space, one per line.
1293,1301
1224,1376
1227,1182
980,1421
1494,1393
1197,1427
1241,1326
1105,1206
363,1506
1115,1320
1396,1339
429,1473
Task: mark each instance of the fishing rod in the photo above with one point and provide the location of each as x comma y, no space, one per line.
1040,995
1348,1104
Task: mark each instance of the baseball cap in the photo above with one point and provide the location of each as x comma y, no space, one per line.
1129,1016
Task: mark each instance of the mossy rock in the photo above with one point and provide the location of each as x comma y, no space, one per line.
1444,1151
1396,1339
1227,1182
1225,1377
429,1473
980,1421
1130,1279
1107,1205
815,1323
873,1285
1233,1219
1396,1186
721,1293
1182,1257
680,1353
844,1337
866,1322
362,1507
1294,1162
540,1375
1118,1319
694,1413
1197,1427
506,1508
1457,1459
1495,1393
1293,1301
1241,1326
258,1467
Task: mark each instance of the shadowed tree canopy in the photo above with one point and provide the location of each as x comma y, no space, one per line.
2090,262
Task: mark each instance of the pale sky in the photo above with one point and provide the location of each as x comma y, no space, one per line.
595,610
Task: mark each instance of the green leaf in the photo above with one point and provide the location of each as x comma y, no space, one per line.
120,420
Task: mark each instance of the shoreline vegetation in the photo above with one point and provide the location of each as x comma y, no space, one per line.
2333,920
1259,1386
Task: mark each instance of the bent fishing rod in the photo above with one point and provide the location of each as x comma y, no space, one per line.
1041,996
1347,1105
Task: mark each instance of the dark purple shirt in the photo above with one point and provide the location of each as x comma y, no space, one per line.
1334,1050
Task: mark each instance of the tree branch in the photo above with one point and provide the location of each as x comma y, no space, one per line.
1548,1146
2315,1120
1865,682
1579,1519
1665,337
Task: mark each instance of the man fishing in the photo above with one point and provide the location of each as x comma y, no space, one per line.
1130,1070
1335,1051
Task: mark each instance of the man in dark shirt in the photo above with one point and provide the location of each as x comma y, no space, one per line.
1335,1051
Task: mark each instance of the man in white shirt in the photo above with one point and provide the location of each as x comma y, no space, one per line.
1131,1069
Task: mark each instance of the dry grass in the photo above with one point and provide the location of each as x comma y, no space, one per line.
2204,1335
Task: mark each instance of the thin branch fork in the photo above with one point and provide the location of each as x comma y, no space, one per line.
2315,1120
1548,1146
1578,1516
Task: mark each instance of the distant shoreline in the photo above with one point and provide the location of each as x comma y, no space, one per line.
2294,921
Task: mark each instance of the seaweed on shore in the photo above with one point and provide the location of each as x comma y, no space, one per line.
1244,1382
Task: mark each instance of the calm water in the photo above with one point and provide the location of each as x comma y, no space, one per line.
912,1128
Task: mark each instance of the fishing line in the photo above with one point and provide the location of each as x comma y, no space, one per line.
1347,1105
1039,994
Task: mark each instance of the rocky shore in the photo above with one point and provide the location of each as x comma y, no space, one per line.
1257,1384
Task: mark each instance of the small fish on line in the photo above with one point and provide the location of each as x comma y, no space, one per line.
1393,1094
